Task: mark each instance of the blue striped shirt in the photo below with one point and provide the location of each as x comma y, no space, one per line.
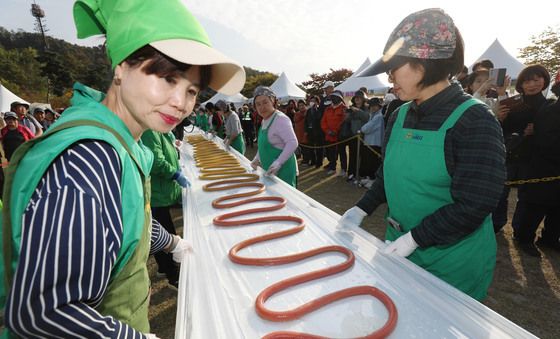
71,236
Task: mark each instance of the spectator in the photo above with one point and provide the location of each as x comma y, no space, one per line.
248,125
291,110
25,118
541,200
166,182
478,84
277,141
79,227
328,88
462,76
443,169
357,116
39,115
13,134
301,134
233,130
373,132
518,129
331,122
315,135
482,64
50,117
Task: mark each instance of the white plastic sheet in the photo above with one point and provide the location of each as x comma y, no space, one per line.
216,297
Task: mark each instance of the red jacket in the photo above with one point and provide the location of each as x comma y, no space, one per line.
26,132
332,120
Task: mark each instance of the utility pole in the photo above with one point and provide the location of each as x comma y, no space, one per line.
38,13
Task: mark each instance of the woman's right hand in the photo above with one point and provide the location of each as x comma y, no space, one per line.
503,112
255,163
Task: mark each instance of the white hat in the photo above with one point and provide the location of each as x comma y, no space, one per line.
328,83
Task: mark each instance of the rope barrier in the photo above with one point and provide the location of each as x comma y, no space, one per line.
531,181
330,145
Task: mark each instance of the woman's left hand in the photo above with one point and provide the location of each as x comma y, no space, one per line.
402,247
274,168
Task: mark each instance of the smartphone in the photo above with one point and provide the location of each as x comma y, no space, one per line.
498,76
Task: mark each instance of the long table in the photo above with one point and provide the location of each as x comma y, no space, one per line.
216,296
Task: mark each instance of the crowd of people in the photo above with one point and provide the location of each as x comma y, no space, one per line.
437,149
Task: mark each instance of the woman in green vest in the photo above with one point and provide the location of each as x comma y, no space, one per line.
443,167
167,181
77,228
277,140
234,132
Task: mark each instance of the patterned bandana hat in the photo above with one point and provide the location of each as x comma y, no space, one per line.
427,34
263,90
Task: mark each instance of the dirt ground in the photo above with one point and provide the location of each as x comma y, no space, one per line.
525,290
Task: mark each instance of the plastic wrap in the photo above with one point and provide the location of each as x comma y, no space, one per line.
216,296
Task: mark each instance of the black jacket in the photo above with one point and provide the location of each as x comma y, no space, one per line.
544,158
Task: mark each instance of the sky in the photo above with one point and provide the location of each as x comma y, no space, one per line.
301,37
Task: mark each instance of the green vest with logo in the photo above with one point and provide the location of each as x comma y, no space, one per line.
127,294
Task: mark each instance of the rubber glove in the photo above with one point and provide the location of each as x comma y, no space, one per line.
352,218
181,179
403,246
274,168
151,336
255,163
181,247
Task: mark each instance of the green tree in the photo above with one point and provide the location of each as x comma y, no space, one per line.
315,85
544,50
256,78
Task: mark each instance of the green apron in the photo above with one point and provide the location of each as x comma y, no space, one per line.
239,143
417,184
269,153
127,295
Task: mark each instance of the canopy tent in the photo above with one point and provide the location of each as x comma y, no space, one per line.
286,90
501,59
237,99
373,83
6,98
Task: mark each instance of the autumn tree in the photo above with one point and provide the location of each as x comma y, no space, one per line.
544,50
315,85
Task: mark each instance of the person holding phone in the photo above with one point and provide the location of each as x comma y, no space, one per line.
443,159
478,85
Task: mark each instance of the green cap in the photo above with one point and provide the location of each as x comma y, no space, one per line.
166,25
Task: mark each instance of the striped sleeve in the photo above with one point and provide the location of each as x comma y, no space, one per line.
160,237
71,235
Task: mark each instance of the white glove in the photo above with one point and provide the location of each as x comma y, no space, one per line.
255,163
273,169
227,142
151,336
403,246
181,248
352,218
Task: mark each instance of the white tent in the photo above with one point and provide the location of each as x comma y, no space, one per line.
237,99
6,98
373,83
501,59
286,90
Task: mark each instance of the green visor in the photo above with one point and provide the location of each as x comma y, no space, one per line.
164,24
